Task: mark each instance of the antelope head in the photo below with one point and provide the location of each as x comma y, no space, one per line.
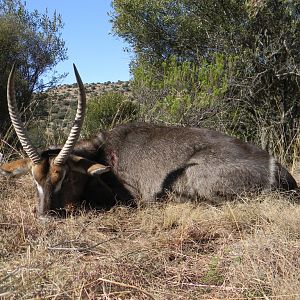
59,175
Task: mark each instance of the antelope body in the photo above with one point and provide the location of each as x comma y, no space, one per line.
143,162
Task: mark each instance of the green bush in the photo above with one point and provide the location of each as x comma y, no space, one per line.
107,111
181,90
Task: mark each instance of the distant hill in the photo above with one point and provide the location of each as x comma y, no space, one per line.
55,108
67,93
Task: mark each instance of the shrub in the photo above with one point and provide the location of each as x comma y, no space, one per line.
108,110
181,91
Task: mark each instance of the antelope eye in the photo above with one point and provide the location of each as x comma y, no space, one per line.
56,175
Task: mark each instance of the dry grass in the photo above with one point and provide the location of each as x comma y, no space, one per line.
243,250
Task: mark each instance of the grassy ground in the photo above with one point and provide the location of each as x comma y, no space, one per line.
244,250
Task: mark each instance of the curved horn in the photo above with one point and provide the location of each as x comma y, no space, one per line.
16,120
75,131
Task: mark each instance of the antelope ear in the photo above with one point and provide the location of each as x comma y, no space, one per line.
16,168
85,166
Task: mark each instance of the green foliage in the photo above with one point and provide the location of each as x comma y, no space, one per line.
191,30
180,90
213,275
108,110
32,41
258,42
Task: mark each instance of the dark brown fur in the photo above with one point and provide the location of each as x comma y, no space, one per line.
150,161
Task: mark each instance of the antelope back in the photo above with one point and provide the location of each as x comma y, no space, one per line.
192,163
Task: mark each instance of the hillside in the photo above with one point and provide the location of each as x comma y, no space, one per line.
54,109
61,98
69,91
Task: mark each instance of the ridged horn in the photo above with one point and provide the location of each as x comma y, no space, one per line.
16,119
75,131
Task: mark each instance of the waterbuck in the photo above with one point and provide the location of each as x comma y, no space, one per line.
142,162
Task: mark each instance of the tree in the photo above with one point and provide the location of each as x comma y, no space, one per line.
33,42
261,37
188,29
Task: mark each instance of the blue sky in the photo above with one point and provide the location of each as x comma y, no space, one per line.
98,54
